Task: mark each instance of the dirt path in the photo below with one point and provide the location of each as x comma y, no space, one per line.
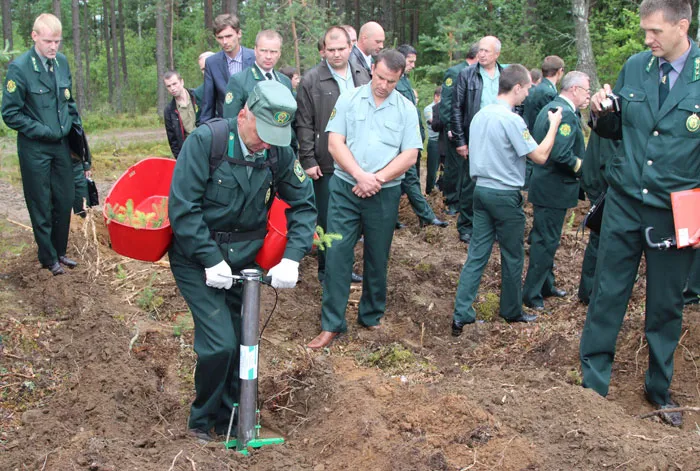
97,372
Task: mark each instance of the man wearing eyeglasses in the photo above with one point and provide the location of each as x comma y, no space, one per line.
554,187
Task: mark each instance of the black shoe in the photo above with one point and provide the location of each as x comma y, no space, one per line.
450,211
466,238
583,301
355,278
400,226
67,262
689,298
55,268
556,293
435,222
674,419
457,327
522,318
200,435
534,306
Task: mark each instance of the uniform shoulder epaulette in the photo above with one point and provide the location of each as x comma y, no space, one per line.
696,70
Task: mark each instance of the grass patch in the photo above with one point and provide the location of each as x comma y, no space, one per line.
487,310
183,323
148,299
105,119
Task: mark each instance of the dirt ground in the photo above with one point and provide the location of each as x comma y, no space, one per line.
96,370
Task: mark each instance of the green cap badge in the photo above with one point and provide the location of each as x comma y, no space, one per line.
273,106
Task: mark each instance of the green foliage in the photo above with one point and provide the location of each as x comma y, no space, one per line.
148,300
324,240
574,377
183,323
391,357
121,272
572,219
614,40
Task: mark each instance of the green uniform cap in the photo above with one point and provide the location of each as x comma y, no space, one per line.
273,106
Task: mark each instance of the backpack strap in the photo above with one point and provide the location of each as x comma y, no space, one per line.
219,142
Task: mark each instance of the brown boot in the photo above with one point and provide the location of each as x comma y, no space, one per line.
322,340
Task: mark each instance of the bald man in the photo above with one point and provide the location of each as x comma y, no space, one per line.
369,42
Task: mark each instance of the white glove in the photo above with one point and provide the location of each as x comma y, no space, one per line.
285,274
219,276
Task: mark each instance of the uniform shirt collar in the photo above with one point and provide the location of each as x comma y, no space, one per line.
43,59
569,102
679,63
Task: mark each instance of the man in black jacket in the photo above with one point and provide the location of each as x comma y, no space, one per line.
181,115
317,93
477,86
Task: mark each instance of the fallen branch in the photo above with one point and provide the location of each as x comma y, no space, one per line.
172,466
673,409
17,374
23,226
194,468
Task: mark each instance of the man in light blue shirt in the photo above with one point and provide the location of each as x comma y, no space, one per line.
497,164
374,138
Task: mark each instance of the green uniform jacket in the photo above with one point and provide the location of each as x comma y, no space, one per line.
230,201
661,146
448,86
599,152
556,183
29,97
405,88
536,100
240,85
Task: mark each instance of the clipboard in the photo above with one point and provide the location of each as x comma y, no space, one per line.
686,215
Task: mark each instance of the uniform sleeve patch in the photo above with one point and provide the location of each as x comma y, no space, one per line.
66,93
448,82
565,130
332,114
526,135
11,86
299,172
229,98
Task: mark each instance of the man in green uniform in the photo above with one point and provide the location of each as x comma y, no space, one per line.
546,91
218,219
374,138
37,103
268,49
411,181
599,151
555,187
453,161
659,94
497,164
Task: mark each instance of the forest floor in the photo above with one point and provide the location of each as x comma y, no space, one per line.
96,369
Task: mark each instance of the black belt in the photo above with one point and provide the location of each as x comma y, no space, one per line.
228,237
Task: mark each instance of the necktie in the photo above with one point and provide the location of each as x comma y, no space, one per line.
268,75
665,83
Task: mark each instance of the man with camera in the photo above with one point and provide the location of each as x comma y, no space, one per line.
654,111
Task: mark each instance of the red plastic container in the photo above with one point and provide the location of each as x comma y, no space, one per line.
275,242
145,182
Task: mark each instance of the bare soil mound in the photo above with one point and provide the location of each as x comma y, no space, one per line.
97,369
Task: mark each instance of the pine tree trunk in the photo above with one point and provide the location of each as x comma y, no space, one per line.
125,74
584,48
57,9
171,21
160,54
115,57
77,53
295,38
208,15
86,49
108,52
7,24
230,6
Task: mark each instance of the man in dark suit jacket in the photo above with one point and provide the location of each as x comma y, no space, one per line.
369,43
218,68
555,187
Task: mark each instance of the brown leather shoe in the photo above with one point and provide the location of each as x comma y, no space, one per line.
323,339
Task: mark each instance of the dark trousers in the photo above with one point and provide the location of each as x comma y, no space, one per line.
496,213
432,165
621,248
321,194
544,241
349,215
411,186
217,330
81,190
590,257
451,175
47,179
466,200
692,291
